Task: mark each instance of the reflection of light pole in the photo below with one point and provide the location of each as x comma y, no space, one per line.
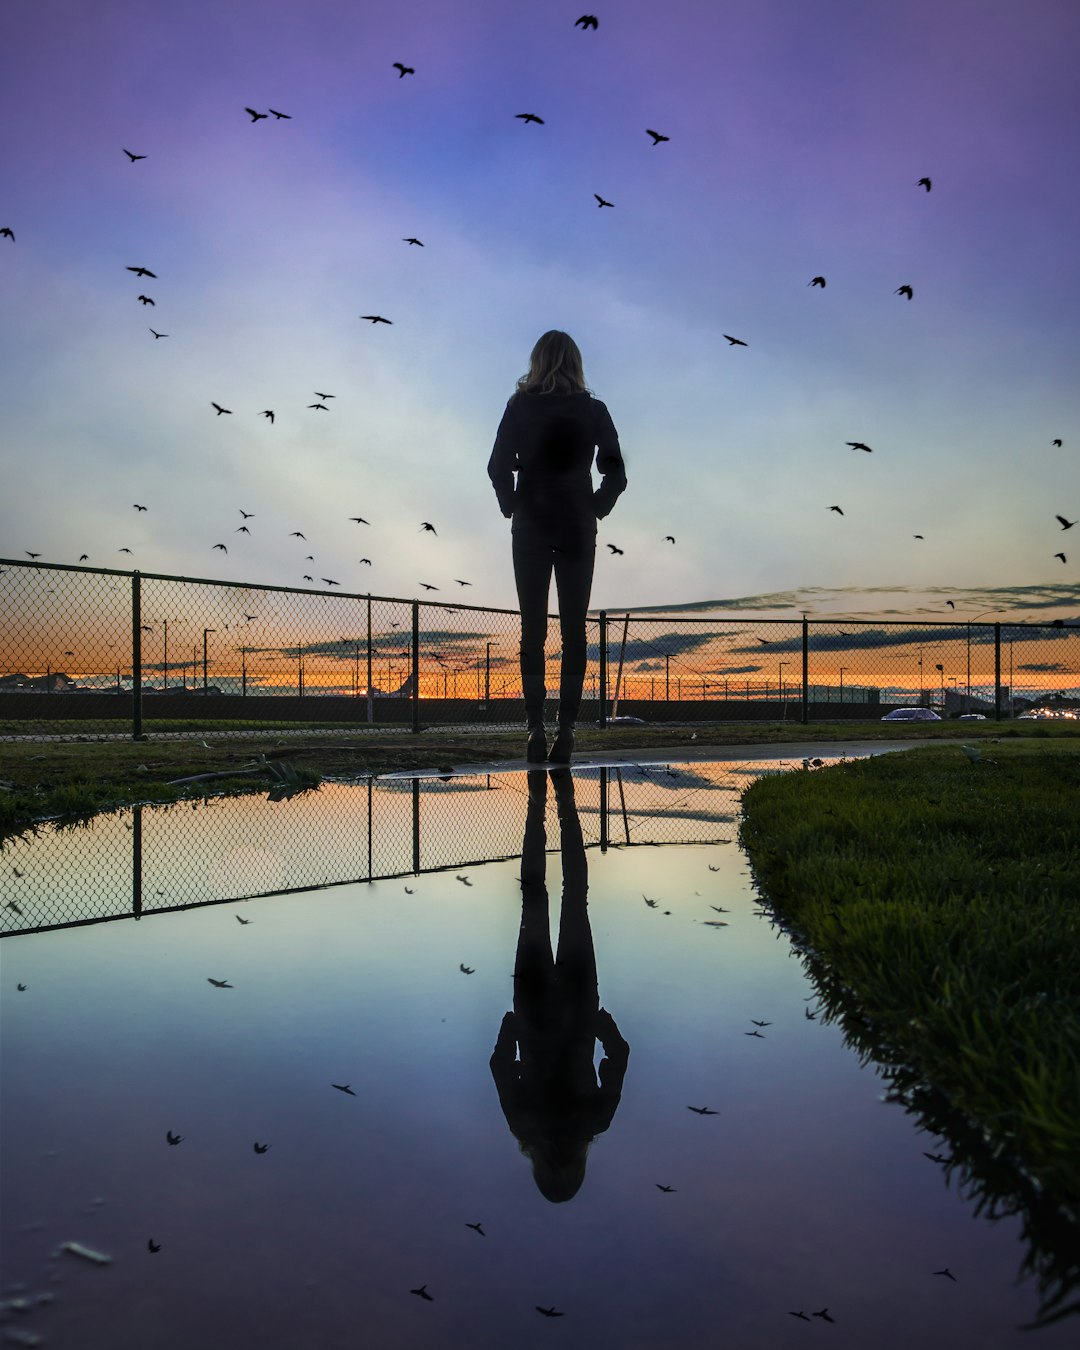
842,669
204,633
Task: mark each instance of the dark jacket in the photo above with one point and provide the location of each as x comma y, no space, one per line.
548,440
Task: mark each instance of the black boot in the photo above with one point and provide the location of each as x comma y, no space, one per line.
562,747
536,749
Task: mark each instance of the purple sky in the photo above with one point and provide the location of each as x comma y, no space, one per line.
798,133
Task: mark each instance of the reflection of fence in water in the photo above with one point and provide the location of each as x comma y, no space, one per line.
154,859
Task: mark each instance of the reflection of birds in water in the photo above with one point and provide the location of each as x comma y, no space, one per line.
477,1228
344,1087
547,1312
823,1313
171,1138
151,1245
947,1272
422,1293
668,1190
260,1148
555,1100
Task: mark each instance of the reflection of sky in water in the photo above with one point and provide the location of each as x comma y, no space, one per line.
803,1191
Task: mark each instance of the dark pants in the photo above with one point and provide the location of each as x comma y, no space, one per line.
534,561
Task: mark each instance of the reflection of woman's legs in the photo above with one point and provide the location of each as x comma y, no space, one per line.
573,580
533,560
575,960
534,966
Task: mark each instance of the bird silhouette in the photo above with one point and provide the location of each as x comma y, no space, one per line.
1065,524
836,509
736,342
321,406
21,988
754,1033
702,1110
133,157
297,535
344,1087
1061,556
141,272
799,1314
547,1312
146,300
84,557
760,1024
587,21
367,561
329,582
248,515
904,290
917,536
412,240
218,984
422,1293
668,1190
123,550
810,1017
427,525
219,409
241,529
464,880
936,1157
320,395
305,577
268,412
222,546
359,520
403,70
951,604
656,136
261,1148
240,920
817,281
137,507
281,117
151,1244
600,201
924,183
428,586
376,318
651,903
157,334
823,1313
615,550
477,1228
948,1273
171,1138
670,538
713,869
256,116
860,445
530,117
467,970
720,908
7,233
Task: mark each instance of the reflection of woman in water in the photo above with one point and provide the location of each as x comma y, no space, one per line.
547,436
549,1094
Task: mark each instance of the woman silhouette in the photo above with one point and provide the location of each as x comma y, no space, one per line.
547,436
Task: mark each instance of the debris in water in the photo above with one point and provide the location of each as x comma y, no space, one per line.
87,1253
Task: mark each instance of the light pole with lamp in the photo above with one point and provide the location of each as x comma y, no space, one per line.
780,673
941,670
842,669
487,671
967,703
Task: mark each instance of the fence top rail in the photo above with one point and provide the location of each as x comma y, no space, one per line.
612,616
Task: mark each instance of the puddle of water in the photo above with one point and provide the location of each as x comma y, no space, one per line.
803,1192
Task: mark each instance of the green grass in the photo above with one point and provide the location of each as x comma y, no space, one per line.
936,899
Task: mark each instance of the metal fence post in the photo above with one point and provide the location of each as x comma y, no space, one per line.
602,693
136,658
805,672
416,665
370,691
997,672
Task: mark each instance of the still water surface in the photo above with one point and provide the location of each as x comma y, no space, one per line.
804,1192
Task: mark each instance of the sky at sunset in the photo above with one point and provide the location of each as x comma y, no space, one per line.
798,131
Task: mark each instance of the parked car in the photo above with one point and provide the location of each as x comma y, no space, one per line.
972,717
911,715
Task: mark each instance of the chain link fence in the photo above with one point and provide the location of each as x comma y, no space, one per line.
148,859
94,652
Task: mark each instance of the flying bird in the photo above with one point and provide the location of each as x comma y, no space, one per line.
344,1087
799,1314
703,1110
836,509
736,342
131,156
951,604
600,200
157,334
172,1138
319,405
366,561
218,984
760,1024
359,520
21,988
137,507
947,1272
754,1033
422,1293
656,136
146,300
530,117
670,538
261,1148
219,409
248,515
467,970
859,445
917,536
1065,524
84,557
924,183
668,1190
240,920
817,281
904,290
376,318
462,583
141,272
319,395
464,880
403,70
255,116
297,535
7,233
427,525
1056,441
412,240
615,550
287,117
123,550
428,586
1061,556
329,582
587,21
305,577
268,412
823,1313
222,546
151,1244
477,1228
547,1312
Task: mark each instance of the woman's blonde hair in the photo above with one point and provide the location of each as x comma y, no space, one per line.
554,366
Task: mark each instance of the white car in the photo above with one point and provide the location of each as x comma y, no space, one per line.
911,715
972,717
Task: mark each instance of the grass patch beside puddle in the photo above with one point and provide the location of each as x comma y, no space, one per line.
939,891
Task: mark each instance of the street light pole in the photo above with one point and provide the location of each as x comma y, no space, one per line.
967,705
487,670
842,669
165,657
781,678
204,633
667,677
